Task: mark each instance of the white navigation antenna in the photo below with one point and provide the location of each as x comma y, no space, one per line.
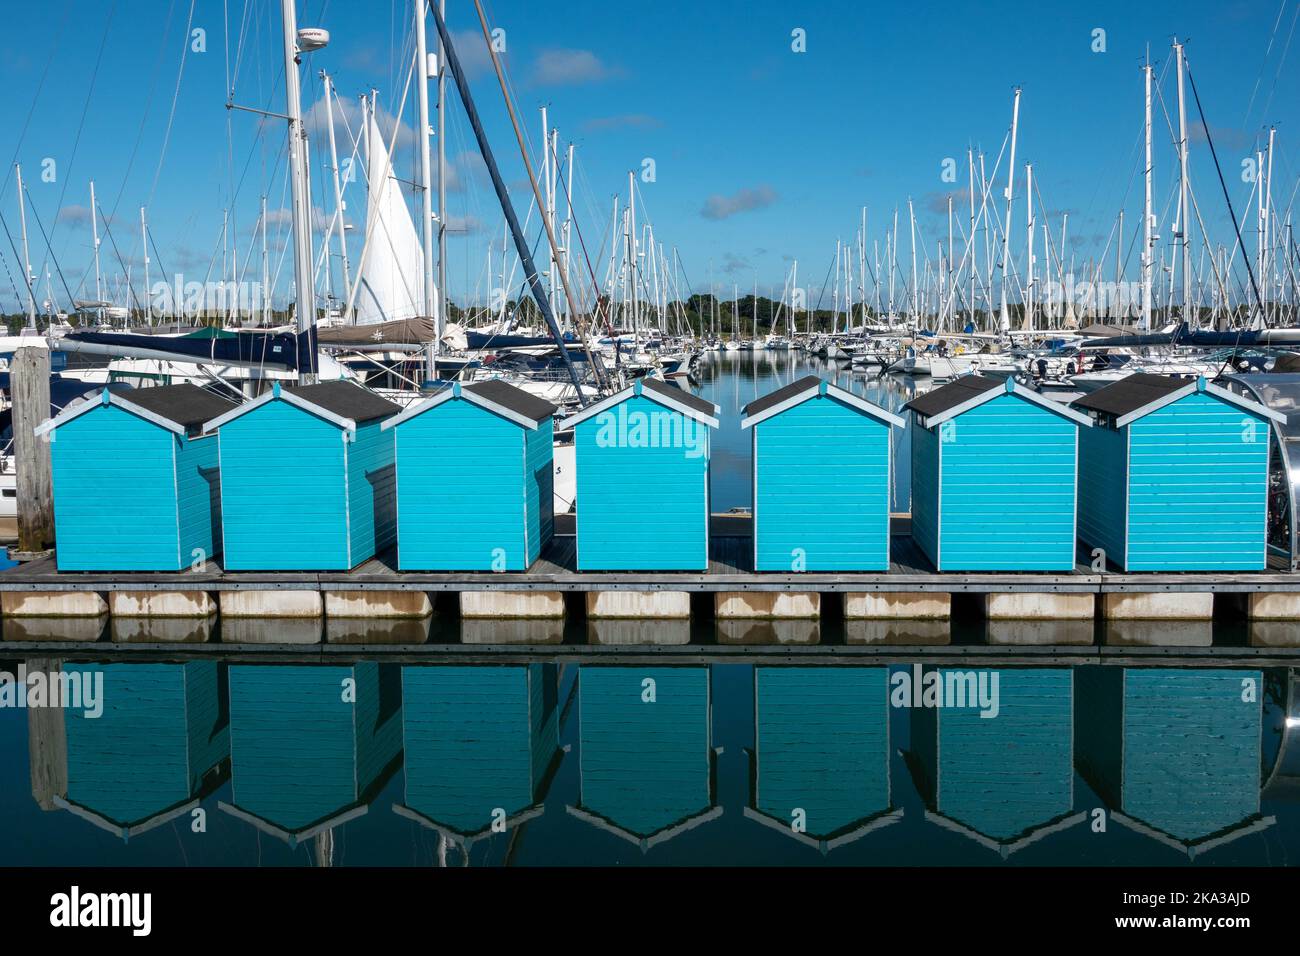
311,39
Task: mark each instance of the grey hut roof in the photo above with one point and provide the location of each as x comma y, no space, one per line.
656,391
1130,394
182,409
516,399
782,394
703,406
1140,394
962,394
788,396
187,405
957,392
346,400
500,398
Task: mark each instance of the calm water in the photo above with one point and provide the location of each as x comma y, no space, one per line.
733,379
701,763
722,760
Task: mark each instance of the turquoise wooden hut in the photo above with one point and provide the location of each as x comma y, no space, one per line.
475,479
642,459
821,478
311,746
1005,780
1174,477
160,744
1174,753
136,484
646,761
821,753
307,479
994,469
480,746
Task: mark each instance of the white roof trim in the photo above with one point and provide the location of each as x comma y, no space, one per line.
272,395
1167,399
834,391
90,404
455,391
619,397
1218,391
1016,389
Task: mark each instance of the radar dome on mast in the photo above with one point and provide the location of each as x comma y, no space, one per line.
311,39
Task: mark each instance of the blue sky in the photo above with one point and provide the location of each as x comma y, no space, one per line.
761,154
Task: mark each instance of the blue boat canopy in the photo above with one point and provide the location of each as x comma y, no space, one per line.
661,393
798,392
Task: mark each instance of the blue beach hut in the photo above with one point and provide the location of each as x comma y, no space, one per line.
822,466
1174,477
994,477
480,745
311,746
475,479
646,759
136,484
642,459
1001,776
1177,754
821,753
307,479
160,744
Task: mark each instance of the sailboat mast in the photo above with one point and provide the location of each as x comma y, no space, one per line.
1147,215
1267,263
1183,214
94,233
440,287
27,261
1004,319
862,266
970,241
144,243
338,187
424,68
304,293
916,314
1029,251
266,270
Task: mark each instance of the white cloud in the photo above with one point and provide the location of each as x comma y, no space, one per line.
559,67
722,207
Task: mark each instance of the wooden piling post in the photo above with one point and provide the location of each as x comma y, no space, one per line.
29,373
47,742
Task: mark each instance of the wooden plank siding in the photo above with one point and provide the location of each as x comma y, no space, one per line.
468,493
821,745
477,739
1182,754
372,494
1198,488
1103,490
160,732
821,489
156,481
300,752
1007,472
1007,775
539,488
642,508
284,495
645,766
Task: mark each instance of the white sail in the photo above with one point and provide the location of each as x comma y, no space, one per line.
391,282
